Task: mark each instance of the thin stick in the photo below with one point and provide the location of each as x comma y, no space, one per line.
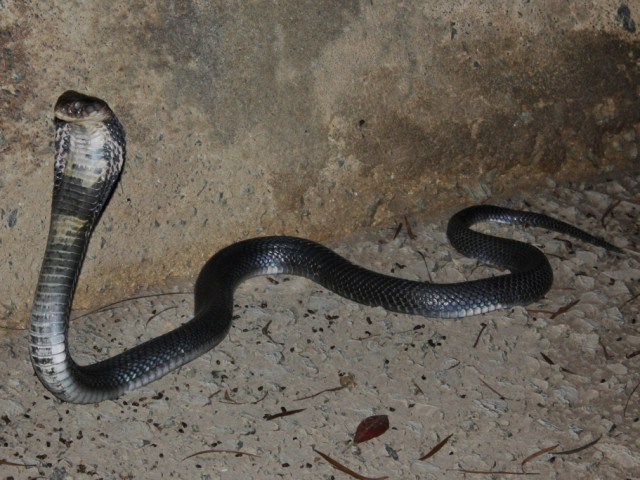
130,299
215,450
579,449
344,469
435,449
537,454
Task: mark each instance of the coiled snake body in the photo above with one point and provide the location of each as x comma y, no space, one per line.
90,150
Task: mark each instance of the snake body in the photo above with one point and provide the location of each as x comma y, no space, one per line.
90,150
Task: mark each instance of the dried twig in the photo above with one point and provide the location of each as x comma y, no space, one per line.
283,413
12,464
475,344
398,228
112,305
629,200
553,314
607,355
564,309
551,362
608,211
417,387
579,449
435,449
158,314
6,327
409,232
496,472
344,469
547,359
537,454
215,393
215,450
228,399
630,300
334,389
502,397
371,335
265,332
426,267
626,404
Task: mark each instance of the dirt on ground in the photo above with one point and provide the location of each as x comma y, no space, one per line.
550,388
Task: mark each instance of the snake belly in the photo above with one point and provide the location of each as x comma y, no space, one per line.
90,152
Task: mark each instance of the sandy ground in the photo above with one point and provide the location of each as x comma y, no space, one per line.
504,385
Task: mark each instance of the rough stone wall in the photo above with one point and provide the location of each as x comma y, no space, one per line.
312,118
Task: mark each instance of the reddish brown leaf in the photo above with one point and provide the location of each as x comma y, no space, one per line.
371,427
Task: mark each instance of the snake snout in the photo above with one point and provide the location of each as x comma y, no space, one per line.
73,106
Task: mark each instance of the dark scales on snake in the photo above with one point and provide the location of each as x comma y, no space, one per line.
90,151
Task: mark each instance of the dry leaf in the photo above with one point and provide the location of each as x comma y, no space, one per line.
371,427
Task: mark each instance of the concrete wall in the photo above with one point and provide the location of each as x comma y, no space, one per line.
312,118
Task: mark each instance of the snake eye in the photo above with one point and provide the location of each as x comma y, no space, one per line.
73,107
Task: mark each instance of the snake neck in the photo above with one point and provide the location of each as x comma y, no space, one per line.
86,169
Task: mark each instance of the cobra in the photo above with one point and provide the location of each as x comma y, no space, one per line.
90,152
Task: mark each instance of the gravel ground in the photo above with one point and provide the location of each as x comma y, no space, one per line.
504,386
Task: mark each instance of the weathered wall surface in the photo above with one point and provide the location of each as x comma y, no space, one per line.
312,118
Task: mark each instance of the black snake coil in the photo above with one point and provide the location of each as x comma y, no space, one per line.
90,150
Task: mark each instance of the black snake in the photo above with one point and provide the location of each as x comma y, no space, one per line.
90,151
